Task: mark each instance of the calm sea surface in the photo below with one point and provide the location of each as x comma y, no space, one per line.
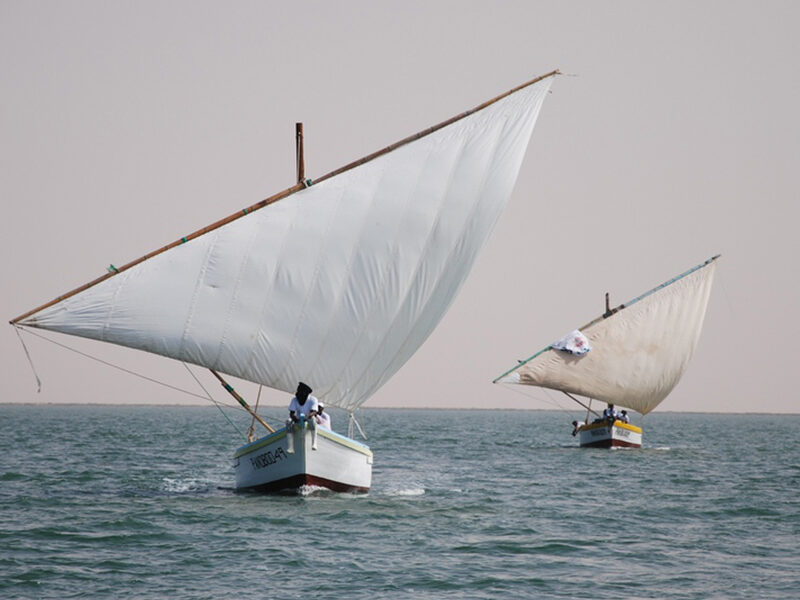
136,502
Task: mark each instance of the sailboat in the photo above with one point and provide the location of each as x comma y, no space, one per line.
334,281
630,357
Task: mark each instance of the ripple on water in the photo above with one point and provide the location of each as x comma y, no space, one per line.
497,507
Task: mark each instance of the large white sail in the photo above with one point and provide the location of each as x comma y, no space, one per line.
337,284
637,355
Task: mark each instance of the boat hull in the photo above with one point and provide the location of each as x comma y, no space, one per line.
603,435
285,462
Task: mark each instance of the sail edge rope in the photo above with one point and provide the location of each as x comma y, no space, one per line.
17,328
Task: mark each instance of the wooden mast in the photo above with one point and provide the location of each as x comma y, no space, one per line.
301,165
251,431
280,196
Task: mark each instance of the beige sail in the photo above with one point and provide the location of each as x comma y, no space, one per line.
638,354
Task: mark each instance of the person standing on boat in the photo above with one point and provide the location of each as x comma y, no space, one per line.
610,414
303,404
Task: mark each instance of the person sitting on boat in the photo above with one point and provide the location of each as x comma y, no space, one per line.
623,416
576,425
302,405
610,414
321,417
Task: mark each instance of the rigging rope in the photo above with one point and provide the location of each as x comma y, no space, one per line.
547,400
352,421
217,404
208,396
124,370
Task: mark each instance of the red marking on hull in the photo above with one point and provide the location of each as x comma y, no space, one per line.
292,485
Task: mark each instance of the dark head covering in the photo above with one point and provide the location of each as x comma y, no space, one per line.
303,389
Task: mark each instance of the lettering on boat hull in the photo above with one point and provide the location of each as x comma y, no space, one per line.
600,435
334,461
267,459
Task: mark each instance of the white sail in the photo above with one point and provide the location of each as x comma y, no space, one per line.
637,355
337,284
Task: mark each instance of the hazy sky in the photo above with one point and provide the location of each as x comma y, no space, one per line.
674,135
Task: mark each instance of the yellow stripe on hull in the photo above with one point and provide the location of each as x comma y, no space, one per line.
619,424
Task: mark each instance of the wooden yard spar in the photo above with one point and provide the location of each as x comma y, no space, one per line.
283,194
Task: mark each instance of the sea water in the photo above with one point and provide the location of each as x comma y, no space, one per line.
137,502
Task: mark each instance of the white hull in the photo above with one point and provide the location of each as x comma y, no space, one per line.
269,464
602,435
